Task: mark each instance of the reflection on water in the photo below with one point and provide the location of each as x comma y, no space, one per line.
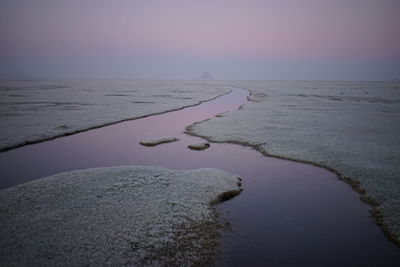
289,214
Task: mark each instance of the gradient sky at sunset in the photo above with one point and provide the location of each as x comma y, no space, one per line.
232,39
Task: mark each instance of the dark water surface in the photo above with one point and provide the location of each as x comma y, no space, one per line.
289,214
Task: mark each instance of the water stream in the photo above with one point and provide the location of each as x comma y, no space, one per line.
289,214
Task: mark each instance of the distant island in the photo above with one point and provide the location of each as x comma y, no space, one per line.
206,76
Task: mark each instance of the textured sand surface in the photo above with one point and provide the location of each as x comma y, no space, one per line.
199,146
158,141
128,215
351,127
32,111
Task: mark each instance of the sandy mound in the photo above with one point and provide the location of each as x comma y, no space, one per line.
132,215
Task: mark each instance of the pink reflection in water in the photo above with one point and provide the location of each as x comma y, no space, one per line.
116,144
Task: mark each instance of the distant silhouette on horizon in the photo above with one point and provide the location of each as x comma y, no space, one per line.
206,76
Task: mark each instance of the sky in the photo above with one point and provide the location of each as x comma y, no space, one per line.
179,39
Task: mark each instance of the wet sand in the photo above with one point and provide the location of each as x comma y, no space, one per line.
288,212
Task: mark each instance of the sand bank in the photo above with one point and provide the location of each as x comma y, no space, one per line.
109,216
350,127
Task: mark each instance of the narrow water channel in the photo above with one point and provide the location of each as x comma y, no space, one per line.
289,214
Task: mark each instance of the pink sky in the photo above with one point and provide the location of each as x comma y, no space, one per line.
127,37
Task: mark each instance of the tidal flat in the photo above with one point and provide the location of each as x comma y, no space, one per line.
351,128
276,187
36,110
